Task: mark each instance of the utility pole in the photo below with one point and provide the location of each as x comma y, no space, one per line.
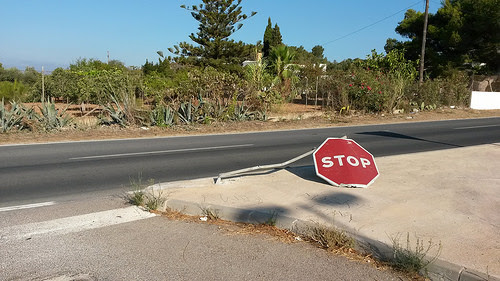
108,57
424,38
43,88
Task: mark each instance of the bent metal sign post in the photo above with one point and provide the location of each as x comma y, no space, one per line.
343,162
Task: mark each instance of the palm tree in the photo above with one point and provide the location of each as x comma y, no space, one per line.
280,58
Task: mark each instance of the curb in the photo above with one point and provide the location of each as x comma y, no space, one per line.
438,270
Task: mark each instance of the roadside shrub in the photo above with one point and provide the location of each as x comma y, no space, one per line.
13,90
455,88
385,83
260,93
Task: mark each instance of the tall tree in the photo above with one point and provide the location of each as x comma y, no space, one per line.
218,19
268,38
462,32
277,38
272,38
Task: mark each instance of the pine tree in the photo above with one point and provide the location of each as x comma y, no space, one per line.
218,19
317,52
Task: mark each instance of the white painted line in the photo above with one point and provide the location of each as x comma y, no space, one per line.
74,224
475,127
28,206
160,152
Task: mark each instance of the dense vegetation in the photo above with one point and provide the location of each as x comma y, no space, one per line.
207,81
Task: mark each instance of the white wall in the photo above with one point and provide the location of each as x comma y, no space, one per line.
485,100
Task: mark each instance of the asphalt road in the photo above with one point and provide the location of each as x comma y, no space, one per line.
160,249
41,172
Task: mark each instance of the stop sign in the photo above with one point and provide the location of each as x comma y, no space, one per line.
343,162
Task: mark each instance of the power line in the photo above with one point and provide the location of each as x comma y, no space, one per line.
372,24
436,2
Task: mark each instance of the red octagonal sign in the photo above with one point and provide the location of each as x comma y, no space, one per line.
343,162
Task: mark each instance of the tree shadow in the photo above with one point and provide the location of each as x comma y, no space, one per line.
331,197
389,134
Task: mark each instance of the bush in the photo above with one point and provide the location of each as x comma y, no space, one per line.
385,83
13,90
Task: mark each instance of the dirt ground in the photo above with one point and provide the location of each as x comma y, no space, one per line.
288,116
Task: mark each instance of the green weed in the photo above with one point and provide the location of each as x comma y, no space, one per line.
411,260
273,218
154,200
150,199
137,198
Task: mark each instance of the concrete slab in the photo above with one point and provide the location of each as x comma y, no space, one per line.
451,197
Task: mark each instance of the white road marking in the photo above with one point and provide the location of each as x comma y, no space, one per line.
75,223
474,127
160,152
28,206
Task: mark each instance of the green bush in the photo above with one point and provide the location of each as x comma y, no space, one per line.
13,90
385,83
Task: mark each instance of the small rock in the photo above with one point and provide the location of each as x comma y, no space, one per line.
204,218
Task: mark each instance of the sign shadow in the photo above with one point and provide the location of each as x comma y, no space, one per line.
307,173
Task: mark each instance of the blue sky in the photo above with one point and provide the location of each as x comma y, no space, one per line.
57,32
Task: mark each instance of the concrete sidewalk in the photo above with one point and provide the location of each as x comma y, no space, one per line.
450,196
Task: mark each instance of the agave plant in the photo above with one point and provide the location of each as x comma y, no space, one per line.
51,118
116,112
162,116
186,112
121,110
243,113
14,118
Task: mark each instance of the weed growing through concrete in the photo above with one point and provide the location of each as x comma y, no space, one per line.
273,218
137,197
154,202
329,237
210,214
150,200
411,260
